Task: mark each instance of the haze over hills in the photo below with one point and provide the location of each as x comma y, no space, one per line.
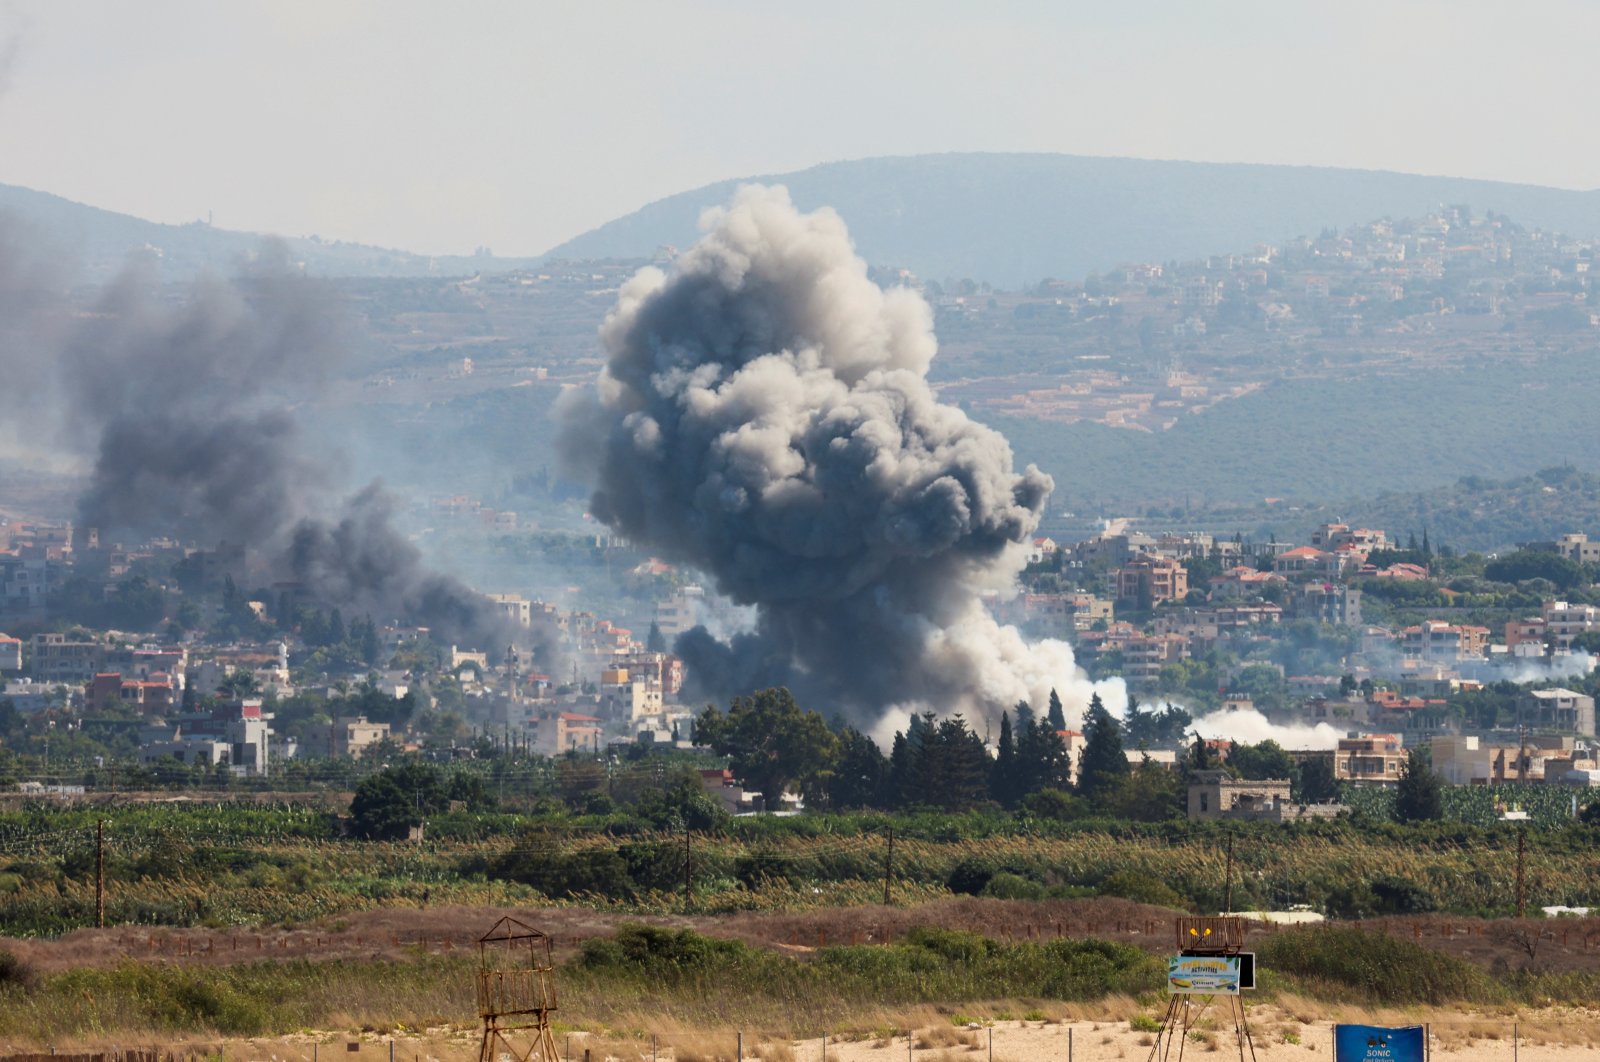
96,243
1008,219
1014,219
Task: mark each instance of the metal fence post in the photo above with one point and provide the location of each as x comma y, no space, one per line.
741,1045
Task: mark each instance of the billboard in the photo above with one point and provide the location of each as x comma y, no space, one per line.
1371,1043
1203,975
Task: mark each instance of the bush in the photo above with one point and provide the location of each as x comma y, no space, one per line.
658,951
970,876
15,973
759,867
1090,969
1007,886
1141,888
1367,967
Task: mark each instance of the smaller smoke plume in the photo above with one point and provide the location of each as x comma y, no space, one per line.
1577,664
186,409
1247,726
362,560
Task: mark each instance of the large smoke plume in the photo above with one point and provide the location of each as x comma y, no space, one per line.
185,406
765,416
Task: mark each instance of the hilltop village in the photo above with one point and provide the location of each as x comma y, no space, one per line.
1351,649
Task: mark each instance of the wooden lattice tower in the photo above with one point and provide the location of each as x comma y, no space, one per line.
1220,937
516,993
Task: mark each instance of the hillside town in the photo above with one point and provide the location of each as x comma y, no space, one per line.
1145,344
1351,649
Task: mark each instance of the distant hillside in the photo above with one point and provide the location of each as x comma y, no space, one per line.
1326,439
1476,513
96,243
1013,220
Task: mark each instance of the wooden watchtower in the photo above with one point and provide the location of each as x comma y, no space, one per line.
516,993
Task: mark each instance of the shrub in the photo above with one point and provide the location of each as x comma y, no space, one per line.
1090,969
761,866
1008,886
1372,968
659,951
15,973
970,876
1141,888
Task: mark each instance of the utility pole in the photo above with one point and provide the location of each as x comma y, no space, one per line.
1227,888
688,872
888,867
100,873
1522,880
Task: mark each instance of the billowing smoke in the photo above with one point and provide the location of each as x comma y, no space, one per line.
765,416
361,559
185,406
189,405
1247,726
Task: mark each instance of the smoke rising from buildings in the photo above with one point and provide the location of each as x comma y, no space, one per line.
184,407
765,416
1248,726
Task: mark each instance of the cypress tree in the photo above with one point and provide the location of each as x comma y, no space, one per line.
1003,778
1058,716
1419,796
1104,763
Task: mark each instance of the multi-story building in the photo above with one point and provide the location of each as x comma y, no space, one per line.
1061,614
555,733
680,612
237,734
664,669
24,585
10,655
1153,579
157,693
1219,795
1331,603
1373,759
1564,621
1474,760
1145,656
1577,547
1332,536
515,607
1566,711
1437,640
1528,631
52,658
351,738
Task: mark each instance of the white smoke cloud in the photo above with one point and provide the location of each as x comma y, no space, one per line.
765,416
1247,726
1568,665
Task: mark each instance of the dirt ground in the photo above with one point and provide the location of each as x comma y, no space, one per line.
1546,944
1278,1035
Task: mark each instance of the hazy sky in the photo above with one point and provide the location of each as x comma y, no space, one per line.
441,126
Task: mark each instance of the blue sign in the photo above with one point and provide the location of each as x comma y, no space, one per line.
1370,1043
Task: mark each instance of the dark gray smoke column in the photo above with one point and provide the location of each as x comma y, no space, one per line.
765,417
187,404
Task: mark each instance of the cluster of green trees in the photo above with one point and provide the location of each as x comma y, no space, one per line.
774,745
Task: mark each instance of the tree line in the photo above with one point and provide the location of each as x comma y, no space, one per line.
774,746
